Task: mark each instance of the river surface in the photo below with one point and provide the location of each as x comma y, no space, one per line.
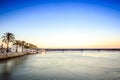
63,66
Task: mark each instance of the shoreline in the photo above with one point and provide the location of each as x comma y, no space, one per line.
12,55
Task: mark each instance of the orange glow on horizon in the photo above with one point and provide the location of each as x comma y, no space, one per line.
73,43
114,45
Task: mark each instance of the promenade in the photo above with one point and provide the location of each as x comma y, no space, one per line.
11,55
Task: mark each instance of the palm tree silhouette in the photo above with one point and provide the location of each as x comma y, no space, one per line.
7,38
17,43
32,46
26,46
23,44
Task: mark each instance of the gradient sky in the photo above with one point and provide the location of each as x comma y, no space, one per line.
63,23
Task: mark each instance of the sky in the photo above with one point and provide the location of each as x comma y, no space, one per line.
63,23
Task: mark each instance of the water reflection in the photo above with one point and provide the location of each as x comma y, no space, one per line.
7,67
65,66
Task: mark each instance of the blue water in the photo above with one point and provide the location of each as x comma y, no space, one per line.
102,65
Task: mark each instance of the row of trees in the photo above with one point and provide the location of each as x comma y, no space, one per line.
10,38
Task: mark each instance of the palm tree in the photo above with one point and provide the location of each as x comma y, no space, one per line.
32,46
7,38
23,44
26,46
17,43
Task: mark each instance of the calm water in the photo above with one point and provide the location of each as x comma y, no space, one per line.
63,66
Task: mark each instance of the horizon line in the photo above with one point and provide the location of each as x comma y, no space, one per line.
79,48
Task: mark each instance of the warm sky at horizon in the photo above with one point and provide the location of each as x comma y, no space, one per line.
63,23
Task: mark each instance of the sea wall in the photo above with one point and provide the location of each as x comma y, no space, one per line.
11,55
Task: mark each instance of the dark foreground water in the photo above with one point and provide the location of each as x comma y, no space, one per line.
63,66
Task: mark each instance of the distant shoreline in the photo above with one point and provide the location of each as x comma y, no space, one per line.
81,49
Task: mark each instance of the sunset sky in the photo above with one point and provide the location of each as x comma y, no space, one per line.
63,23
